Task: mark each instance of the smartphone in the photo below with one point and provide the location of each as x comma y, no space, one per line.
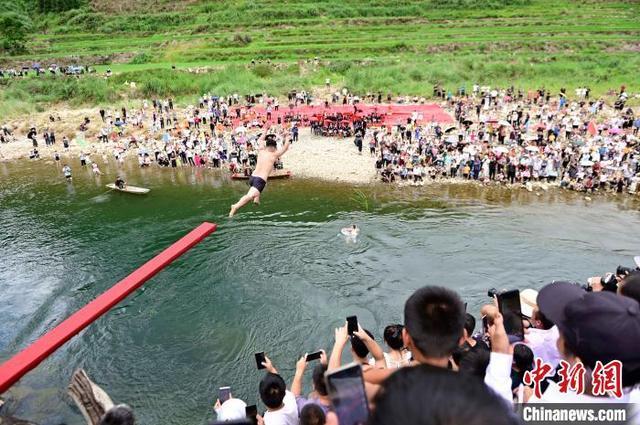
509,306
260,358
485,325
352,324
224,394
314,356
348,397
252,414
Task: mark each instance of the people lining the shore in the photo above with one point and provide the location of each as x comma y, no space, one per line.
504,137
500,136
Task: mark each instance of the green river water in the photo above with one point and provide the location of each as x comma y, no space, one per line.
277,278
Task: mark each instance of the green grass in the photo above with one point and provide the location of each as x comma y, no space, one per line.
402,47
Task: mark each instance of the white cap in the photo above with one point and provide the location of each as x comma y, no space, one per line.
528,301
231,410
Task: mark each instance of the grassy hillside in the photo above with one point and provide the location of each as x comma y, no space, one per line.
403,46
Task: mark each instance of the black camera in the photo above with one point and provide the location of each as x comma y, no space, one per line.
623,271
493,292
584,286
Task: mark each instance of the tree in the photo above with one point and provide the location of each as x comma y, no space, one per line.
14,28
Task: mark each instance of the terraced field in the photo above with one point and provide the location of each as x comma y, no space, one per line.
400,47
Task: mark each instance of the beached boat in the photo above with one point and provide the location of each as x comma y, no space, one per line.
129,189
281,174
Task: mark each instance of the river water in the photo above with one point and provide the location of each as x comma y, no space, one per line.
277,278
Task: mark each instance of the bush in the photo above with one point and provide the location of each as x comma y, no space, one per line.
263,70
141,58
85,20
340,67
241,39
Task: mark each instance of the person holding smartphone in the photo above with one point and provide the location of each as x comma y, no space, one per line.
434,326
319,395
280,403
362,343
230,410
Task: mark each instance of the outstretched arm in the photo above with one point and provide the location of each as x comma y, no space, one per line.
497,376
263,136
296,385
342,336
284,148
373,347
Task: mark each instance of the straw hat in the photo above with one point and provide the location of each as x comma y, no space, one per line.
528,301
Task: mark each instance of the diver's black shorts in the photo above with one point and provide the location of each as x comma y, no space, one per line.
257,182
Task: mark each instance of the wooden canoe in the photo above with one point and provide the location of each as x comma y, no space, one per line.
276,175
129,189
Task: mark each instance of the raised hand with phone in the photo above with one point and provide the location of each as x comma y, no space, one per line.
229,409
498,373
319,395
263,362
372,346
341,339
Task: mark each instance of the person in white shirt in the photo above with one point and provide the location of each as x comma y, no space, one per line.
398,356
542,338
231,410
281,404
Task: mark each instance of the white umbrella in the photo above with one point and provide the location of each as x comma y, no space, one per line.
240,129
586,163
503,122
502,149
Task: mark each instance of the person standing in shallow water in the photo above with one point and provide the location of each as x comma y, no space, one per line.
66,170
268,155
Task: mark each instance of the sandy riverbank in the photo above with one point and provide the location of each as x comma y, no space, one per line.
329,159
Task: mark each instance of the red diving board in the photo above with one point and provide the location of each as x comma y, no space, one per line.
16,367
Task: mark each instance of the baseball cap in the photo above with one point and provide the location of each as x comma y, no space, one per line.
596,325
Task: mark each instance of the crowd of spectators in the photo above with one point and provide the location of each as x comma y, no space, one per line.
439,368
504,136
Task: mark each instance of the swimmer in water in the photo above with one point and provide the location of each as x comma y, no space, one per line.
352,231
268,155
